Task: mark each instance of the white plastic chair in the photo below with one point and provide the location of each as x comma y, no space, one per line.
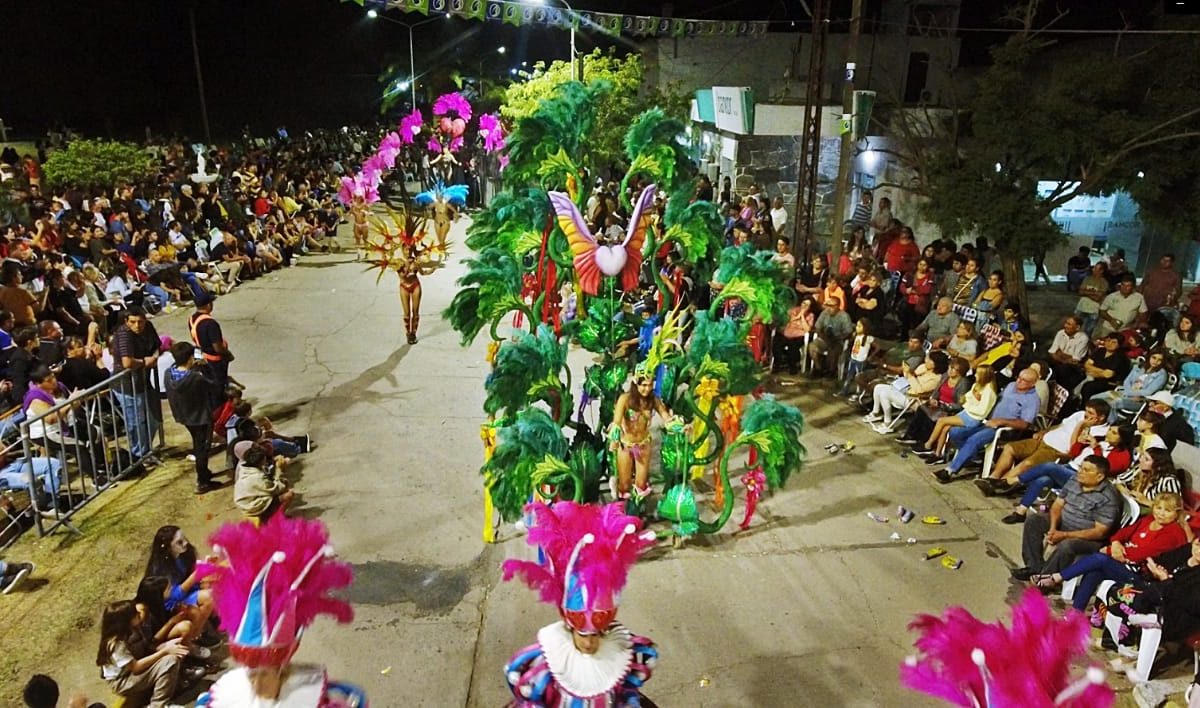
1130,514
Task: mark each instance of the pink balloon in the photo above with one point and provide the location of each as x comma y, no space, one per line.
445,124
457,127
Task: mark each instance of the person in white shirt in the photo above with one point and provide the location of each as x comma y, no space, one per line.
1068,350
779,216
1052,445
1120,309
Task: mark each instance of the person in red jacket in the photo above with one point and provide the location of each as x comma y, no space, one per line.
902,254
1124,559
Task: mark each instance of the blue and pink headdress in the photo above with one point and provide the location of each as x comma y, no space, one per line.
587,551
276,580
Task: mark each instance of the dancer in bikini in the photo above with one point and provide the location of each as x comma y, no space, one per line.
412,265
629,437
358,209
443,214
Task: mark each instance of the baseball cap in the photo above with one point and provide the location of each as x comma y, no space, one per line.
1165,398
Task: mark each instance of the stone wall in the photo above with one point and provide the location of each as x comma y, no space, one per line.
772,162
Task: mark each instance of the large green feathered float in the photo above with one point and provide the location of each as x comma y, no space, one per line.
540,282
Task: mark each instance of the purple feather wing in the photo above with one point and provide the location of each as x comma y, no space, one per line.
580,239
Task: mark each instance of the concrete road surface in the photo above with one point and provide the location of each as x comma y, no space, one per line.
806,608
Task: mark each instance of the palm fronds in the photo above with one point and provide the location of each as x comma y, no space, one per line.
521,448
774,428
492,287
525,370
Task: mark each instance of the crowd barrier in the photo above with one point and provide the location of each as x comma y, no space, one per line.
63,458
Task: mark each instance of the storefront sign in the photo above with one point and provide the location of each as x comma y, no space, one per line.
734,108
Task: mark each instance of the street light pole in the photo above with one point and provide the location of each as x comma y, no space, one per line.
412,69
199,75
571,24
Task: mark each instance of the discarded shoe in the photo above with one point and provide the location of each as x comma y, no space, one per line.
933,520
876,517
935,552
905,515
951,563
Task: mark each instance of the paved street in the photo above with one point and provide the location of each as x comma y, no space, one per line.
808,607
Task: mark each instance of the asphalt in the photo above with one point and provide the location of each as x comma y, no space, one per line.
808,607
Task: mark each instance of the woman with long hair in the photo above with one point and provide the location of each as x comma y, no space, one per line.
1154,474
128,665
1181,341
976,405
947,400
173,557
1144,379
629,436
158,624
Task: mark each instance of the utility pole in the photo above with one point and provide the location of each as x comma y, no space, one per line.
810,138
199,75
847,157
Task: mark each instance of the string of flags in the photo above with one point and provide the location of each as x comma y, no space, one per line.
518,14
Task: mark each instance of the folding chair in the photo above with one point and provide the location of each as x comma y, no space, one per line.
1058,398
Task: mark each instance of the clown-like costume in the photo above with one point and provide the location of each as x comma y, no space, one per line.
274,583
585,660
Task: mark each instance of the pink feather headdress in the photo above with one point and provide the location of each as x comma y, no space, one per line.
410,126
588,551
491,131
275,582
970,663
452,104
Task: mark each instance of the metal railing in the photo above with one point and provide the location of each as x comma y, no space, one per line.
83,445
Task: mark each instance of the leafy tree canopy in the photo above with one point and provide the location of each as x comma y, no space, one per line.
98,163
625,98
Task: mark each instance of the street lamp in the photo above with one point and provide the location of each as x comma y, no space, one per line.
571,24
501,49
411,84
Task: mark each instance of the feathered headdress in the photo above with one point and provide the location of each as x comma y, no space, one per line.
276,581
455,194
588,551
970,663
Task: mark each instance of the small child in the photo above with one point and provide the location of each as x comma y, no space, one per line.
259,490
860,349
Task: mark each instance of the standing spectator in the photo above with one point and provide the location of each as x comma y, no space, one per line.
1078,267
1162,289
191,392
1076,525
833,328
861,216
135,346
779,217
951,276
23,360
969,284
882,221
1092,291
206,334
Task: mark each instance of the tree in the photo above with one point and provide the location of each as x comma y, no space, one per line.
1089,117
625,99
98,163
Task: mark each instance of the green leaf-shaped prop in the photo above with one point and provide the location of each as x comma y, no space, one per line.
521,449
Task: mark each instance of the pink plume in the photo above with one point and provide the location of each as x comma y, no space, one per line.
603,565
248,548
503,161
410,125
375,165
456,143
391,142
1028,664
433,145
452,103
346,190
492,132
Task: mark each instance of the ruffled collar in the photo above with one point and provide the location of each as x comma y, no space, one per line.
303,687
586,675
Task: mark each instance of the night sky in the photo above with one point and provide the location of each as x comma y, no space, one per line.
113,67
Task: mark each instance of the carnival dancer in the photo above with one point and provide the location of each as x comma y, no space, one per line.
586,659
629,436
444,202
273,583
358,212
405,251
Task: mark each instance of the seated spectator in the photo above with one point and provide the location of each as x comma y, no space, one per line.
1092,292
885,365
1076,524
963,343
1154,474
990,298
12,574
1121,309
90,300
262,431
832,330
938,326
24,306
1148,426
1142,381
1124,559
946,400
902,254
173,557
976,403
1169,598
1068,351
158,625
41,691
914,384
1104,369
130,667
950,277
1050,445
789,341
1180,341
260,489
1009,357
1175,426
62,304
1017,408
1114,448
